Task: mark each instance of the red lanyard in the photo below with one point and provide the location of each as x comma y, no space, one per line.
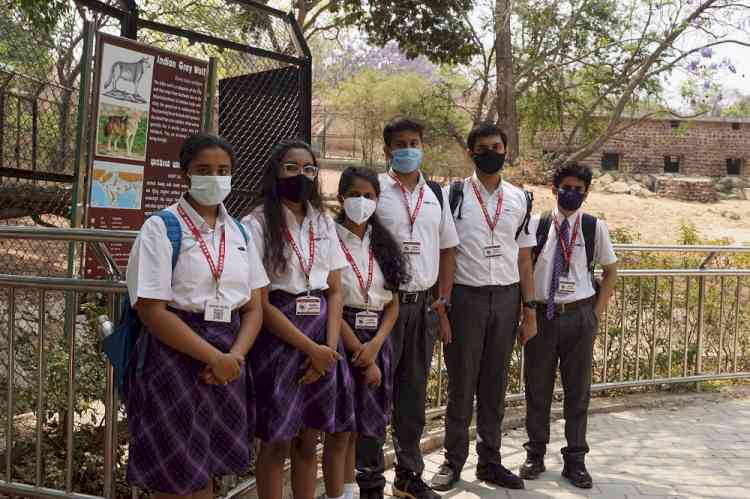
490,223
215,271
567,250
364,287
306,269
407,203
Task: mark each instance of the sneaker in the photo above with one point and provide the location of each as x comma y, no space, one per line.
411,486
445,478
499,475
371,494
577,475
532,467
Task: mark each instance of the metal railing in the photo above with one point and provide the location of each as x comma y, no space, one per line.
662,326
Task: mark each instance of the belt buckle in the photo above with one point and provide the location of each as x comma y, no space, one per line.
410,297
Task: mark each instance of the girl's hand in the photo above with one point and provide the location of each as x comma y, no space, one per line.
373,376
323,358
366,355
226,368
311,376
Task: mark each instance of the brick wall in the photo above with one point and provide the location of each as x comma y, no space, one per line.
687,189
702,146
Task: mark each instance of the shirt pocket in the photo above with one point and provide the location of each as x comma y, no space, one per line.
323,252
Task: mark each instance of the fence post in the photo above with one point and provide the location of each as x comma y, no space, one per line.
208,116
701,328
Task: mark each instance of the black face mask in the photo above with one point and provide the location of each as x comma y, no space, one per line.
297,189
489,161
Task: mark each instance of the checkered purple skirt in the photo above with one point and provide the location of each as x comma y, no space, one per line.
284,405
182,431
372,405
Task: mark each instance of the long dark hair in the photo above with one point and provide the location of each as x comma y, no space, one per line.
194,144
275,222
384,246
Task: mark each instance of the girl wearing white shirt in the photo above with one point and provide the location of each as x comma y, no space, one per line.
190,411
303,386
376,270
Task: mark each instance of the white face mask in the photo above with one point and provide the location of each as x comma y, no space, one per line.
359,209
210,190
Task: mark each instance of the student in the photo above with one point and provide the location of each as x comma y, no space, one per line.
421,222
569,244
376,270
303,387
493,278
189,409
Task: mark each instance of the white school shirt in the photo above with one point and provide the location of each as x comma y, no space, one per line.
379,297
604,254
472,267
149,273
433,228
328,254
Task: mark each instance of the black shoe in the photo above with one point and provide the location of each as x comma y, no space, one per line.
411,486
371,494
445,478
532,467
499,475
576,474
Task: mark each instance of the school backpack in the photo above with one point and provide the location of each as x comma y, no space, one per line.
119,346
438,191
456,201
588,227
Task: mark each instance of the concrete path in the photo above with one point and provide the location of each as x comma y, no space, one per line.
693,452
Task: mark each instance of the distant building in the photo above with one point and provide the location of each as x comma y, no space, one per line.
701,147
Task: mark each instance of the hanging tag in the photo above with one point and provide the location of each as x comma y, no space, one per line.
492,251
217,311
412,247
366,320
308,305
567,287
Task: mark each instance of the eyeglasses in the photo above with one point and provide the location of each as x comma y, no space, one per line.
309,170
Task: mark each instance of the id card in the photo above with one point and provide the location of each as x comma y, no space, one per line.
366,320
217,311
492,251
308,305
567,287
412,247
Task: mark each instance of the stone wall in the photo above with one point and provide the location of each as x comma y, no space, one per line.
703,146
701,190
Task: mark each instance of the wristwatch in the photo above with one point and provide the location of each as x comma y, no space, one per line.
444,302
530,305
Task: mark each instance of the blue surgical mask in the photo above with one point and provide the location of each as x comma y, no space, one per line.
406,160
569,200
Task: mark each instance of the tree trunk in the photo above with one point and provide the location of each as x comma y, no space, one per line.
506,100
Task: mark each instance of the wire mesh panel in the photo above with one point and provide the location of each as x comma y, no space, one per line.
255,112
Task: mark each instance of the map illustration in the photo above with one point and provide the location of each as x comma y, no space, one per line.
117,186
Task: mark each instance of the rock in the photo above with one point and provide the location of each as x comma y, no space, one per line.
745,194
606,179
596,172
644,193
618,188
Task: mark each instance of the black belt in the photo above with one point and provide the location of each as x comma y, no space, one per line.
407,297
561,308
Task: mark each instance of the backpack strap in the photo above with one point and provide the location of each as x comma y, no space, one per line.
438,191
243,230
542,231
174,232
529,205
588,227
456,197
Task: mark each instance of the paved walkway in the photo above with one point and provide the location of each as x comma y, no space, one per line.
679,453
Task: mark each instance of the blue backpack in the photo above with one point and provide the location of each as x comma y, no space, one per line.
119,345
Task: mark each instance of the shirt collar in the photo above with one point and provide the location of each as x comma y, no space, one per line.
291,220
350,237
394,183
571,218
481,186
198,220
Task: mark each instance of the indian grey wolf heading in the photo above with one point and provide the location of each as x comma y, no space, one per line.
129,71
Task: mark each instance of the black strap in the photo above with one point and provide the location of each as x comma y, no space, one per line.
456,197
542,230
438,191
529,206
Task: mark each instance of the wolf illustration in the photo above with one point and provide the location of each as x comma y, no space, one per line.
129,71
124,127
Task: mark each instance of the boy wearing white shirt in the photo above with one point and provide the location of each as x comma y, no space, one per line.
493,275
569,244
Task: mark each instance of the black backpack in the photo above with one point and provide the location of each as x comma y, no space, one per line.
588,227
438,191
456,200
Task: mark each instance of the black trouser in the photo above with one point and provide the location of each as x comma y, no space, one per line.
413,338
484,324
569,339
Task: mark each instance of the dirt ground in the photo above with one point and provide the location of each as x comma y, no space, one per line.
657,220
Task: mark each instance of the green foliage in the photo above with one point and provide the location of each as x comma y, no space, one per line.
43,15
435,29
